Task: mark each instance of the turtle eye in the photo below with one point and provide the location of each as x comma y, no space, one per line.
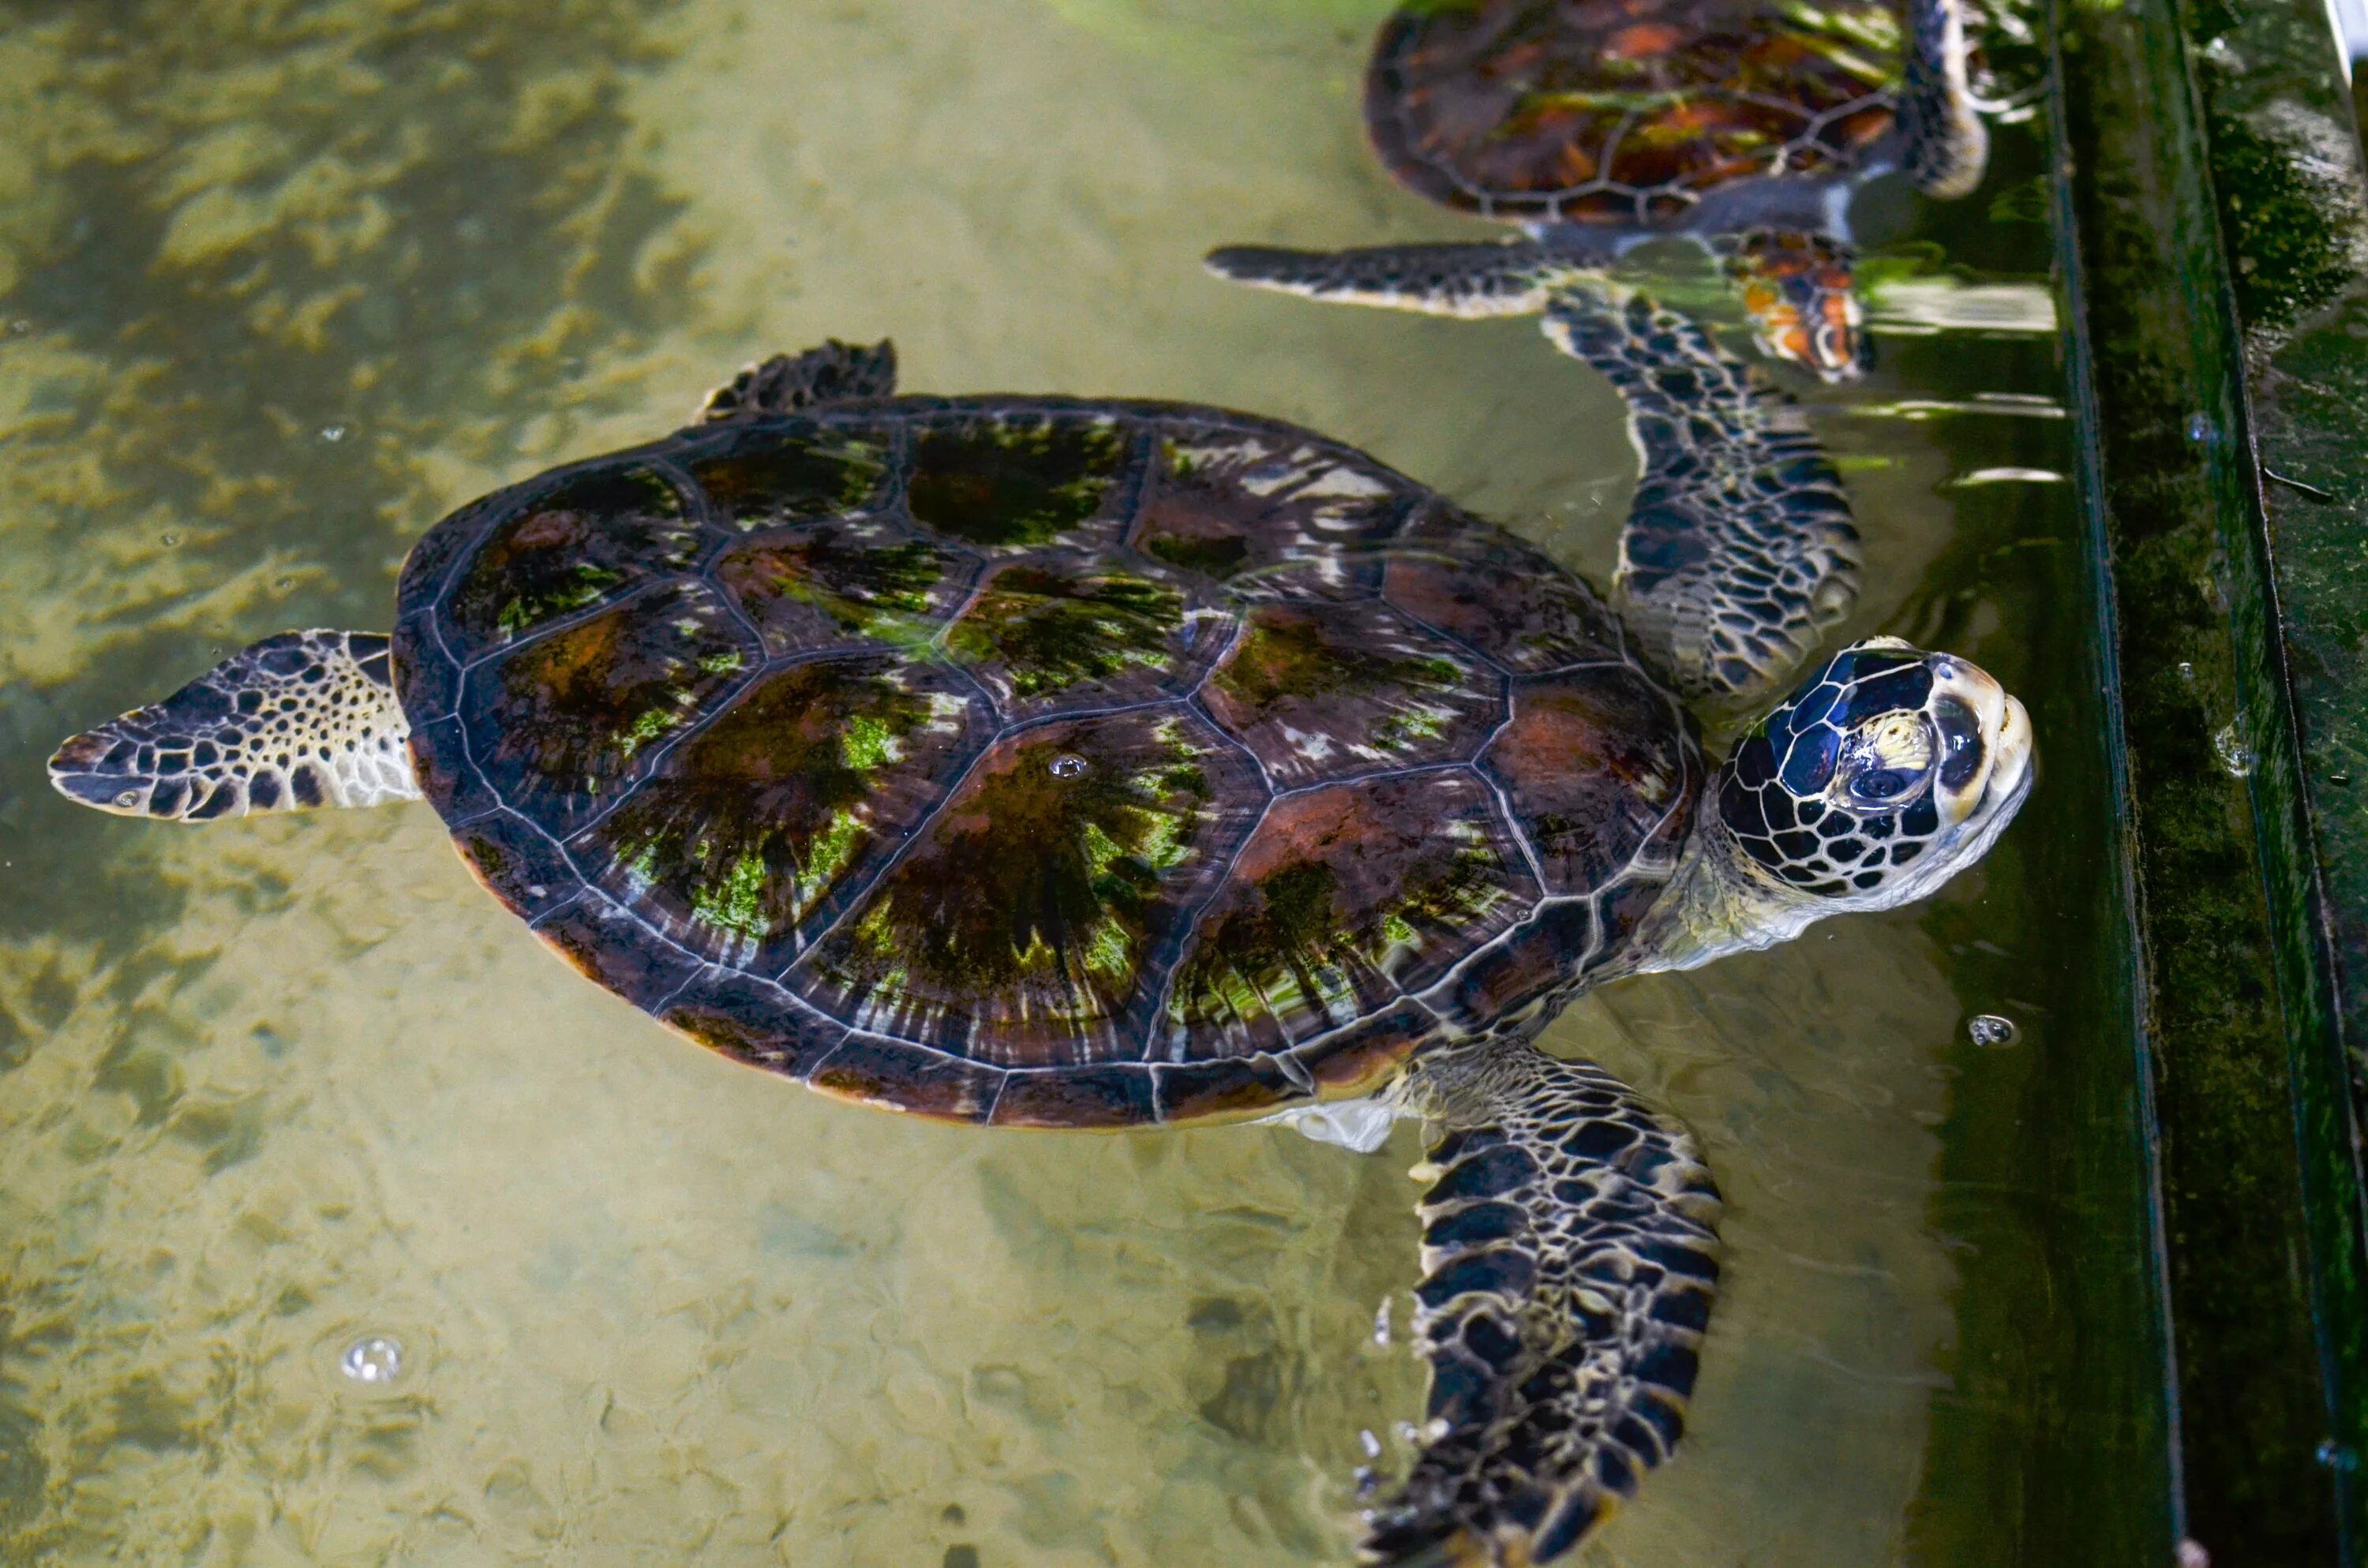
1886,763
1882,785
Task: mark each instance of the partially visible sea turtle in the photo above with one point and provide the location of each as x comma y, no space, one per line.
1598,124
1028,761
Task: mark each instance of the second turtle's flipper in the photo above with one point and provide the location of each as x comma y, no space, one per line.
1948,144
304,719
1569,1255
1739,550
787,382
1469,280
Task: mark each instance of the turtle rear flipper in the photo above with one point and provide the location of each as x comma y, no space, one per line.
304,718
1739,550
1569,1255
787,382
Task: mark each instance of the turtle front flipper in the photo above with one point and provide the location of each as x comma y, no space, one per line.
304,718
1467,280
1570,1253
1948,144
1739,550
787,382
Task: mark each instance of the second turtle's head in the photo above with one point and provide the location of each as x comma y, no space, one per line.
1803,302
1886,772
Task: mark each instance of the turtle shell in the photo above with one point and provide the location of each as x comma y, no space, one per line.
1625,111
1039,762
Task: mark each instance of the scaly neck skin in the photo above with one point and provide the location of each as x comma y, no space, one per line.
1719,901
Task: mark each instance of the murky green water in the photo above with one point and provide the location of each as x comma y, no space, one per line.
279,284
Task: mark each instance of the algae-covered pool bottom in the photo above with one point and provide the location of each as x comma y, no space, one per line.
338,1224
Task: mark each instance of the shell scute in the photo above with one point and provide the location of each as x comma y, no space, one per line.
872,1069
1226,1087
597,536
1366,1055
520,864
1267,514
754,1021
611,947
770,477
1345,897
1024,924
1538,956
565,720
1045,634
1498,596
830,583
1116,1094
766,819
1598,772
1015,479
1322,691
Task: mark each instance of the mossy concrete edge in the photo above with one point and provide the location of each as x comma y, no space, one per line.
2261,1234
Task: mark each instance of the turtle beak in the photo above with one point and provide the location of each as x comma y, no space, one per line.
1985,802
2011,762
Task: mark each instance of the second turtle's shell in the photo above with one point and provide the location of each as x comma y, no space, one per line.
1624,111
1035,761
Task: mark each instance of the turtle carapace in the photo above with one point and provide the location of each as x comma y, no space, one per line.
1745,125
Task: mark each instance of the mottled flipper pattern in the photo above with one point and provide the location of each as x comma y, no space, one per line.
1739,552
1466,281
1569,1258
300,720
787,382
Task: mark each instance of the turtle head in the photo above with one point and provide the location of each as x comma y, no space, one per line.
1803,302
1888,772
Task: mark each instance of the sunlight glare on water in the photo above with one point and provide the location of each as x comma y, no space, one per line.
338,1224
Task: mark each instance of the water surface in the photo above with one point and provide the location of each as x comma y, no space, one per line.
281,284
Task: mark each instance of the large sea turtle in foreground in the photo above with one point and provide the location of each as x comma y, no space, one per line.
1036,762
1596,125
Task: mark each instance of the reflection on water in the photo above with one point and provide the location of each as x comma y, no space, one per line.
284,1099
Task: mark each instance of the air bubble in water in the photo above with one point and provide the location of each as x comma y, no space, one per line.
2235,754
1990,1029
374,1362
1068,765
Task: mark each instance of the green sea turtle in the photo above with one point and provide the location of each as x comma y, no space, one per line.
1031,761
1599,124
